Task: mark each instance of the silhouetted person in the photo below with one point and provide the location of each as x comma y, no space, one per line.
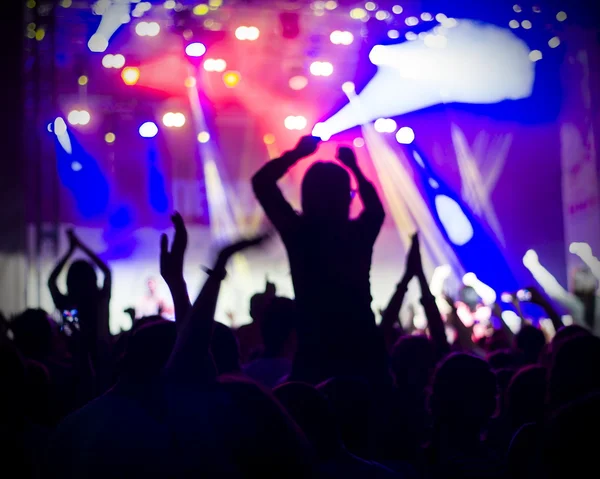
525,397
330,262
278,339
463,398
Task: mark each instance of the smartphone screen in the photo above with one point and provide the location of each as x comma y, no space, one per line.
70,316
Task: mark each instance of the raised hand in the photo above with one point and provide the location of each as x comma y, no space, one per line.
307,146
347,157
414,264
73,240
237,247
171,262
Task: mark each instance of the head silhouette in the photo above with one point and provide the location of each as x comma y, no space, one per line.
412,362
463,394
278,325
530,341
525,396
33,333
81,280
326,193
225,350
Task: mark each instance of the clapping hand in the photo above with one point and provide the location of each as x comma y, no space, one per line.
347,157
171,262
414,266
307,146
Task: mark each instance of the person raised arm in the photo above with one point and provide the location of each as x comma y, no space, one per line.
190,360
584,251
373,208
264,183
106,288
435,323
59,299
171,267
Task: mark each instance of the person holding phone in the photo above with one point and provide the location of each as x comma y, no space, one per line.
90,302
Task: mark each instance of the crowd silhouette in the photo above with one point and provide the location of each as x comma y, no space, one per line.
313,387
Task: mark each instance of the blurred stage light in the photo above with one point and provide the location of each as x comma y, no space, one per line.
526,24
153,29
331,5
397,9
295,123
200,10
411,36
247,33
411,21
173,120
98,43
203,137
480,64
269,139
371,6
190,82
60,127
82,80
195,49
118,61
514,24
298,82
215,65
358,13
382,15
535,55
130,75
393,34
110,138
148,130
76,166
385,125
322,69
141,29
348,87
338,37
320,130
554,42
358,142
169,4
405,135
561,16
231,79
107,60
426,17
517,8
79,117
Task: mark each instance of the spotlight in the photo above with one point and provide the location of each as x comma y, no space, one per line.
561,16
110,138
82,80
141,29
178,120
118,61
323,69
203,137
79,117
358,142
393,34
513,24
195,49
426,17
107,61
168,119
298,82
405,135
190,82
397,9
295,122
269,139
411,21
554,42
130,75
148,130
215,65
358,13
526,24
385,125
382,15
535,55
320,131
247,33
231,79
371,6
153,29
60,127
